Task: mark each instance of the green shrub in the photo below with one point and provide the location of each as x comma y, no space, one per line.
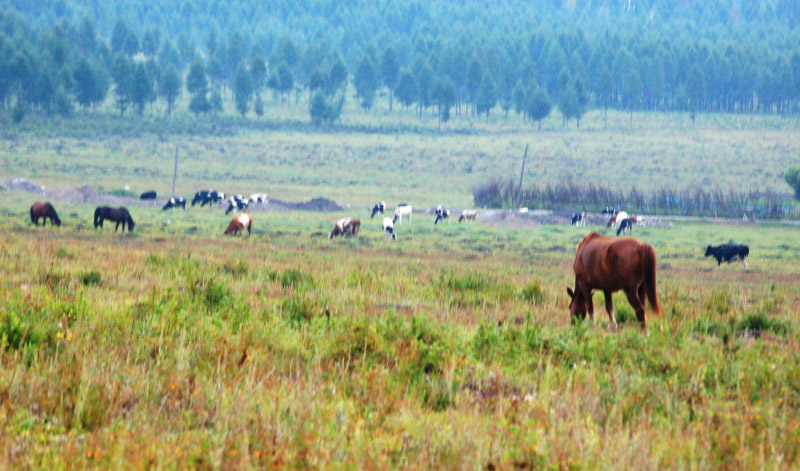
792,177
16,334
63,253
533,293
95,408
212,294
761,322
719,302
236,269
300,309
90,278
289,277
119,192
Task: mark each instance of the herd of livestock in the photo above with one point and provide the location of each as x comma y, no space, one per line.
602,263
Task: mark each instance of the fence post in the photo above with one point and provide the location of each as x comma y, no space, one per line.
521,173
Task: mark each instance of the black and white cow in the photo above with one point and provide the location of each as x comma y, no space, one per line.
442,214
578,219
379,207
257,198
388,228
236,203
174,203
608,210
207,197
729,253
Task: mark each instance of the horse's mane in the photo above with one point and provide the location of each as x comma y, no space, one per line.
590,236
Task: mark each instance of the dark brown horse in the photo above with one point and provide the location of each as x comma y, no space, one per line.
118,215
44,211
611,265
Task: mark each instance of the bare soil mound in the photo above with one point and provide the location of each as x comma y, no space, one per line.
322,205
21,184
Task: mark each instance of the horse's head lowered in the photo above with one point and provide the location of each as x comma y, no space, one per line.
577,305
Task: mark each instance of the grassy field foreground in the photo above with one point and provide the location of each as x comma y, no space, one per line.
179,348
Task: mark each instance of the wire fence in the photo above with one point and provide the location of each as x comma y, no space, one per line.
569,195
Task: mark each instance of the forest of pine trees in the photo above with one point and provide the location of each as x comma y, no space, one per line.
471,57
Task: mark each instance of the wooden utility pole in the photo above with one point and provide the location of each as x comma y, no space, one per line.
521,173
175,172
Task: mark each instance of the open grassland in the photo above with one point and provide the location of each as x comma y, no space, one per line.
179,348
377,156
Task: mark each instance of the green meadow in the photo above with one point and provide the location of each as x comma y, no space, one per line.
377,156
176,347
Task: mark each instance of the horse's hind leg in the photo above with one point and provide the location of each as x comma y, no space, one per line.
610,307
638,306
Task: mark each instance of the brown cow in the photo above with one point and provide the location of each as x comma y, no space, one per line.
611,265
239,223
346,226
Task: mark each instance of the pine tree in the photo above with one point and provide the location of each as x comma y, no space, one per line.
242,88
169,87
406,89
487,95
366,82
538,105
390,70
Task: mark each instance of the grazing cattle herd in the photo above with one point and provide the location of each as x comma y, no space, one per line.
601,263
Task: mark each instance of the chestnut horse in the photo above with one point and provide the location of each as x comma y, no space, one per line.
611,265
119,215
44,211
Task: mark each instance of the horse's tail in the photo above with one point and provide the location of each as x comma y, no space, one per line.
649,261
33,216
97,217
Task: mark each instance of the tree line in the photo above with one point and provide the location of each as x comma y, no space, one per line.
721,56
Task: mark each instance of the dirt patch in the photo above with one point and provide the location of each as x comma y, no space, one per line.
21,184
322,205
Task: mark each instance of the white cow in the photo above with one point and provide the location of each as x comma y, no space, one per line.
402,210
468,214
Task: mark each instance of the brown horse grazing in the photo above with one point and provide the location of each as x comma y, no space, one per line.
44,211
119,215
611,265
240,222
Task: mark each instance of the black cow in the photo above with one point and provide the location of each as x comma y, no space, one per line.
148,195
379,207
728,253
174,203
236,203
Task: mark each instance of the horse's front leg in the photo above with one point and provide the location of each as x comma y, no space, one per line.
610,307
117,227
587,294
